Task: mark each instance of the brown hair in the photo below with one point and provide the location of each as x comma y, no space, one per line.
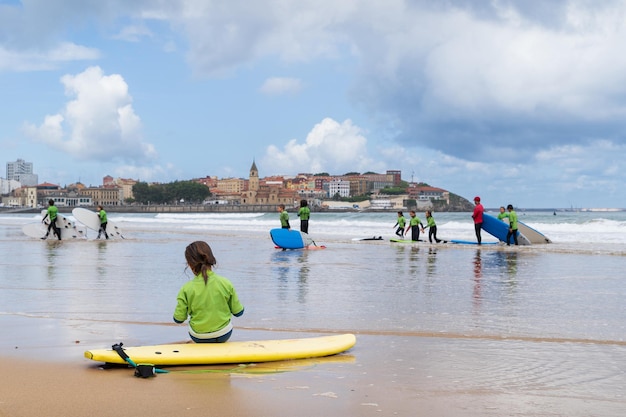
200,258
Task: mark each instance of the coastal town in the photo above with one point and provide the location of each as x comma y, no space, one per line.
21,190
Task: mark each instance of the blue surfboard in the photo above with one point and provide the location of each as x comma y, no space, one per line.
471,242
499,229
290,239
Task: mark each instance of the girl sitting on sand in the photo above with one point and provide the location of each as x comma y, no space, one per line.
209,300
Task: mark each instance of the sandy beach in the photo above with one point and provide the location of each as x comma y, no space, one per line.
441,331
64,389
365,382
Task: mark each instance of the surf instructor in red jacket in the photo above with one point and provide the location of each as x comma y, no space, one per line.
478,218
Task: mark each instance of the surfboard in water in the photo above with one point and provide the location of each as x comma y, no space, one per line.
499,229
290,239
471,242
534,236
91,219
229,352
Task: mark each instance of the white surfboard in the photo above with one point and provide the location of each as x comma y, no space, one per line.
67,228
534,236
92,220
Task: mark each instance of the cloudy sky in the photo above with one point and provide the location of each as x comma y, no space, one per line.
518,101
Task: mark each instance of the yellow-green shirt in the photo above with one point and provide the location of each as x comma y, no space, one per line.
304,213
284,219
415,221
513,220
209,306
53,211
401,221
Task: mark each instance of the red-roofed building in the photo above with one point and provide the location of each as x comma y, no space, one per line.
427,193
47,186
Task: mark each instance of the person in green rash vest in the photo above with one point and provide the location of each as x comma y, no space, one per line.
208,300
512,225
400,224
304,213
52,214
503,214
103,222
284,217
432,227
415,224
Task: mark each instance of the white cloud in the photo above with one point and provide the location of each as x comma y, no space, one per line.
556,177
469,85
456,77
222,38
281,85
36,60
331,147
98,123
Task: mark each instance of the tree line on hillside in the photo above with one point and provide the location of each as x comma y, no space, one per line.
188,192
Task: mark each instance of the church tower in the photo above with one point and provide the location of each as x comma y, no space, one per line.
253,184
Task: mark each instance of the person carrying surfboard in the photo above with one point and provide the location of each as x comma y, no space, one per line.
512,226
477,215
208,300
52,214
103,222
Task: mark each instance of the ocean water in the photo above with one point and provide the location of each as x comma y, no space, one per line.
541,327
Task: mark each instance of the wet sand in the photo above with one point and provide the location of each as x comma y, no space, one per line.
62,390
394,375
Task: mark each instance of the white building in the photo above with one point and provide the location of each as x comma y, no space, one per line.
6,186
22,171
338,186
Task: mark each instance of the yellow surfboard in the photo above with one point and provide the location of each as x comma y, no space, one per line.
229,352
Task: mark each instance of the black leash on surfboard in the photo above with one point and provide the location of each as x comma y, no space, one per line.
142,370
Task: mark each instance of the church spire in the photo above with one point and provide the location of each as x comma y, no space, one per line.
253,182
